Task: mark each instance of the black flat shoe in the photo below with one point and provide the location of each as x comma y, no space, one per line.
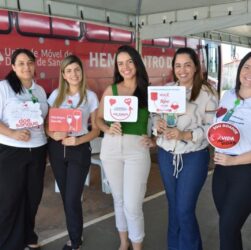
32,248
67,247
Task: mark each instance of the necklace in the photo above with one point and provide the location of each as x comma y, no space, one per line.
231,111
70,103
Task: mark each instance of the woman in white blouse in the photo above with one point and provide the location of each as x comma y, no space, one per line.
23,107
182,151
232,175
70,153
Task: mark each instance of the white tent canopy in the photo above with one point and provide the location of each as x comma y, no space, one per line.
225,20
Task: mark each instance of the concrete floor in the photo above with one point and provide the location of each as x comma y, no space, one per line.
102,234
50,220
99,229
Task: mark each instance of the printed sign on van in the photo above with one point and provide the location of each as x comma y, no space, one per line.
121,108
167,99
65,120
223,135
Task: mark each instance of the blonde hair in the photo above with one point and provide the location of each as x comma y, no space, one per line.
63,88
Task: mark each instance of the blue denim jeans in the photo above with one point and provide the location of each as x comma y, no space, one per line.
182,195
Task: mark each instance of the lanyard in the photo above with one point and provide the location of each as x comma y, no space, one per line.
231,111
34,99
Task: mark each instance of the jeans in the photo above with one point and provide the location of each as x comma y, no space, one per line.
182,195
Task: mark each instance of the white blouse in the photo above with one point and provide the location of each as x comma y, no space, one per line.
7,98
241,119
198,117
86,107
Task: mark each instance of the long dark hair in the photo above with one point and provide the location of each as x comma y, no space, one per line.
142,79
12,77
198,79
238,82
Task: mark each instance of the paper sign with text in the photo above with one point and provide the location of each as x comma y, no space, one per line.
223,135
167,99
121,108
65,120
24,115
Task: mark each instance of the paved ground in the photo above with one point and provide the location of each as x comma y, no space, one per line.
51,220
99,231
102,235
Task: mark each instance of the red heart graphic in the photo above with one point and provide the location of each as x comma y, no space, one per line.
221,111
128,101
112,101
175,106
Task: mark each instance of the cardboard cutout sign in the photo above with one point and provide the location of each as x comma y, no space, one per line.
121,108
65,120
223,135
167,99
24,115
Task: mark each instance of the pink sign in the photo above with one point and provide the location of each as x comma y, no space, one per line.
66,120
223,135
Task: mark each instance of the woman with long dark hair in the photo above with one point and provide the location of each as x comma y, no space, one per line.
183,150
22,152
232,174
124,151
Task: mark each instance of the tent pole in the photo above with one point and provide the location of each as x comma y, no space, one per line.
138,42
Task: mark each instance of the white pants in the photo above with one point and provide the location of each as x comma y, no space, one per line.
127,164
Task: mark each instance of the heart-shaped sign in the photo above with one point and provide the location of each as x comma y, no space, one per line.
175,106
223,135
221,111
128,101
112,101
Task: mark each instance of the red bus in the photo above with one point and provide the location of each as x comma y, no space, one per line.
51,39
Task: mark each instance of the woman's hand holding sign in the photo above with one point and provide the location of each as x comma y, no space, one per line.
161,126
173,133
70,141
57,136
115,129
